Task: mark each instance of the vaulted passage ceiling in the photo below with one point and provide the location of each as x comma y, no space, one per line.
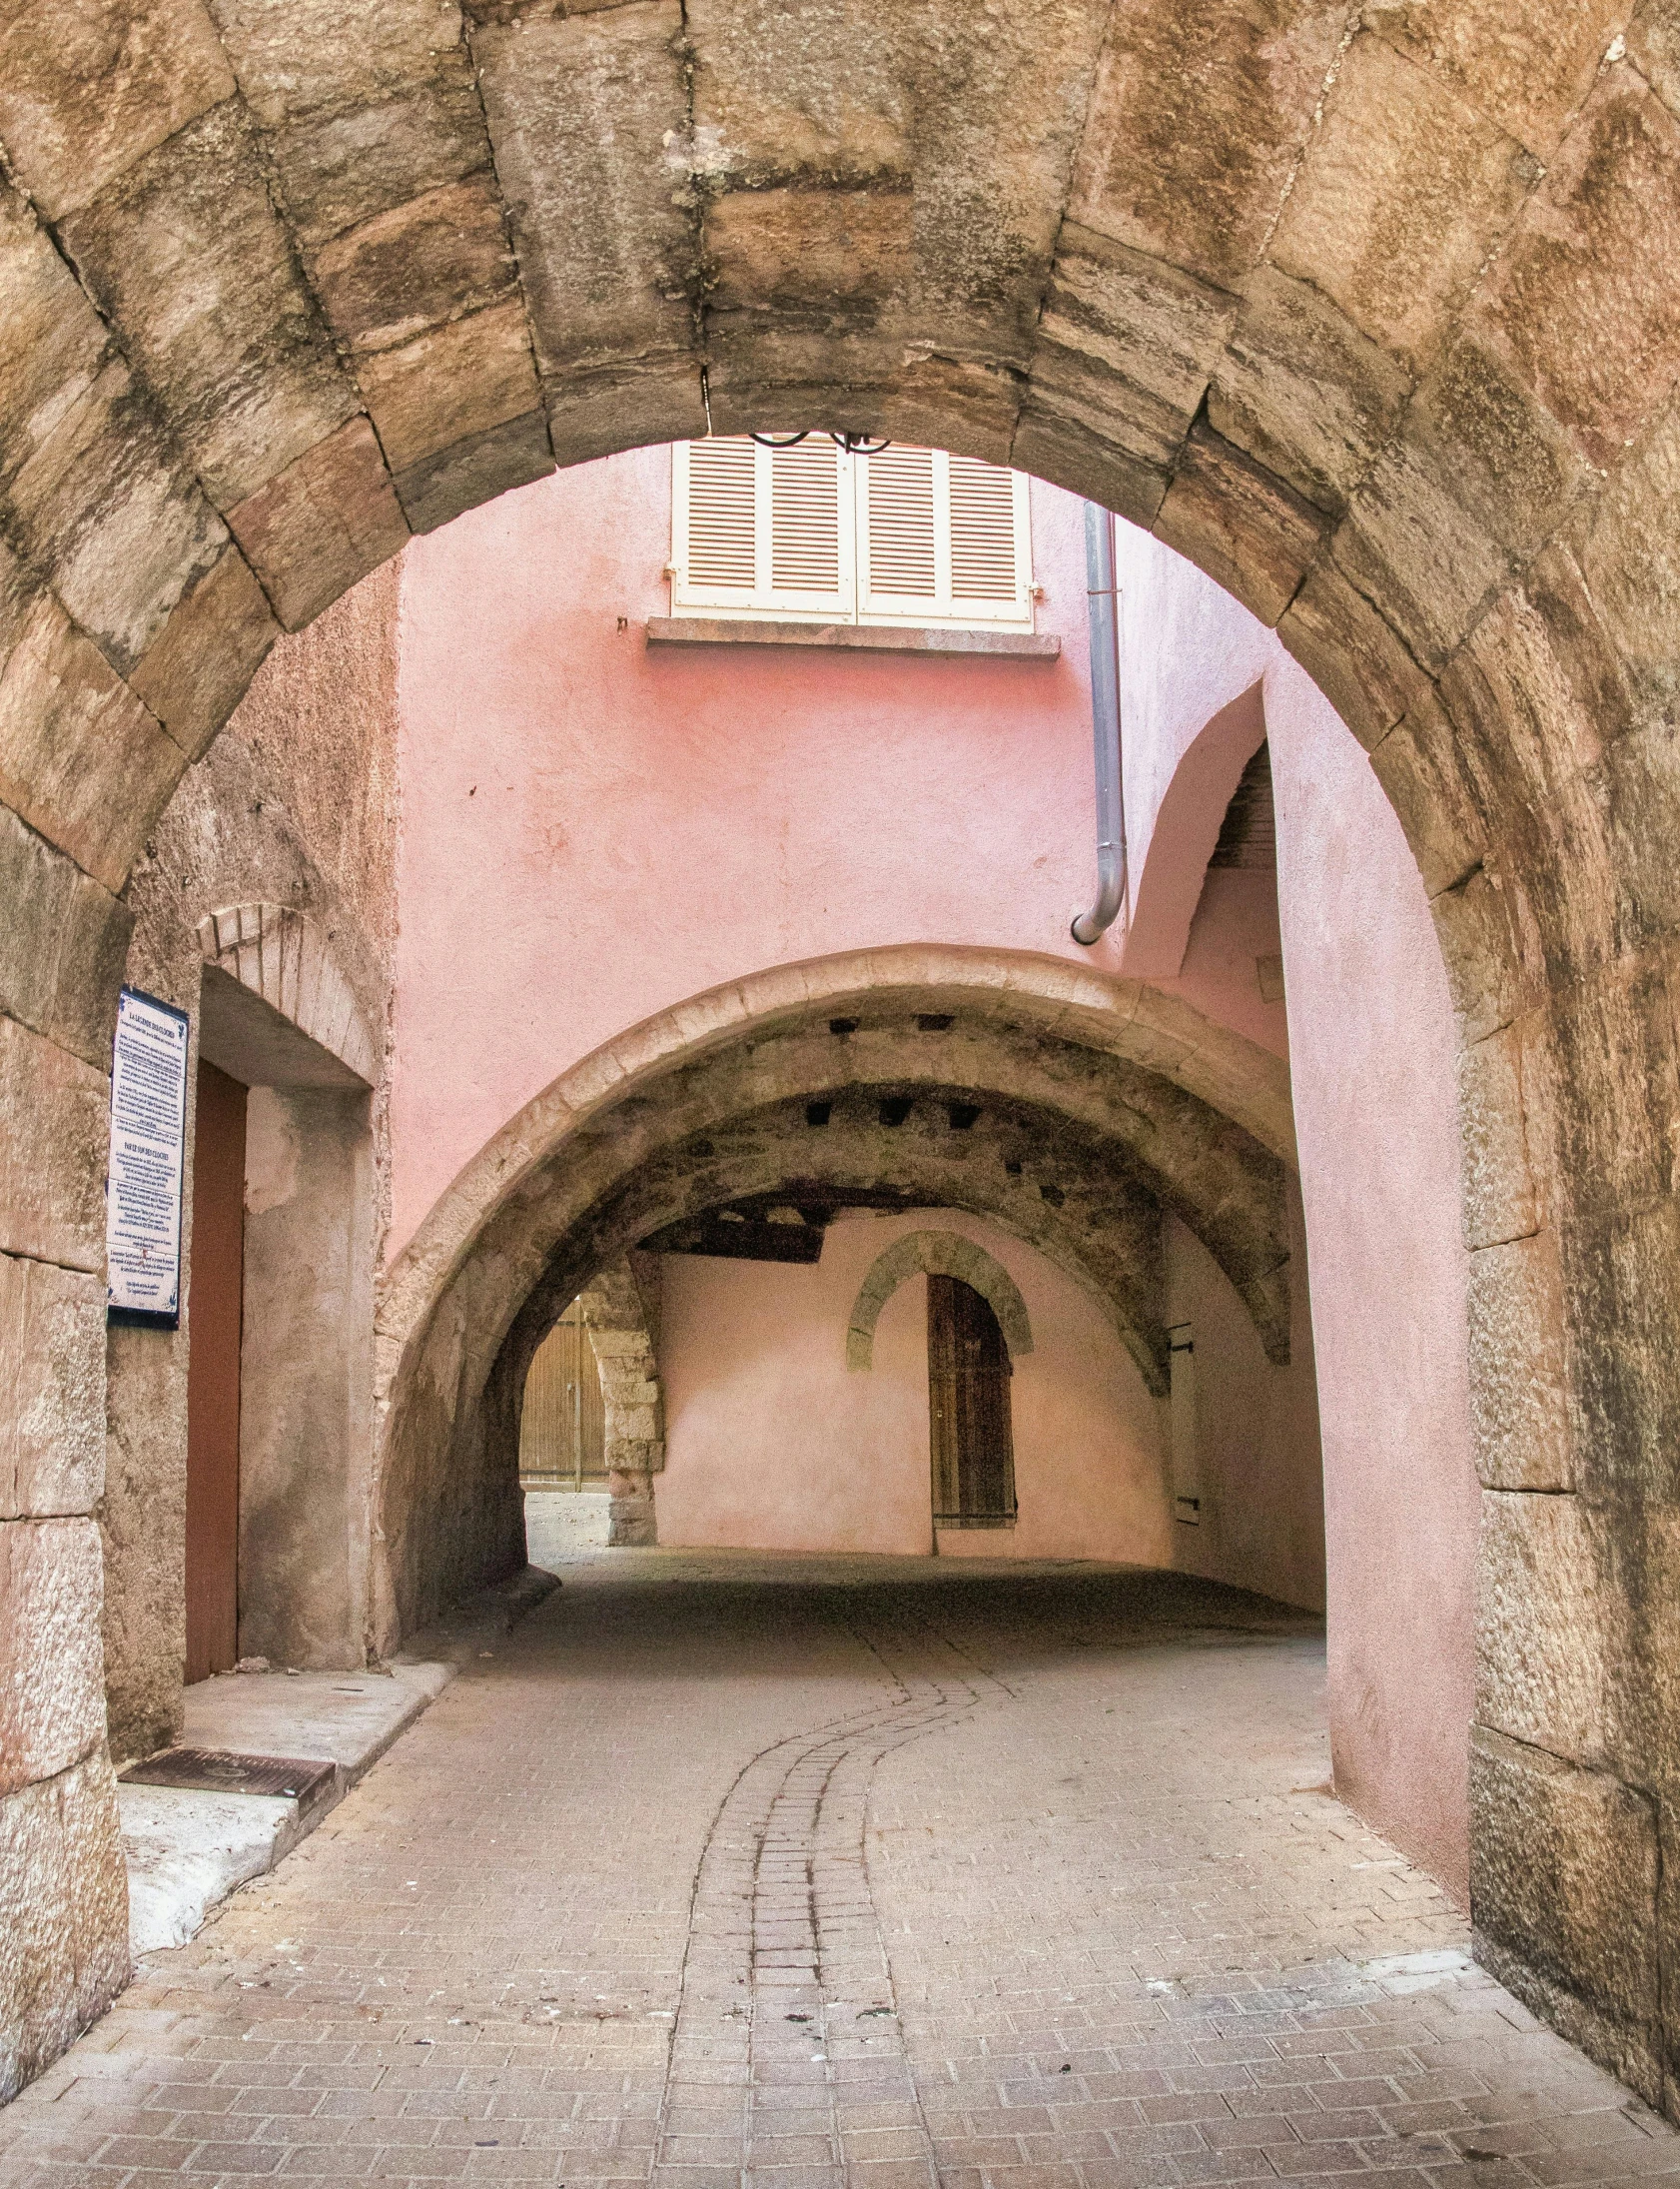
973,1105
1076,1155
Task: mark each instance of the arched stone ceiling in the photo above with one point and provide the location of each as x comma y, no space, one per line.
818,1031
1075,1153
1073,1190
1089,1016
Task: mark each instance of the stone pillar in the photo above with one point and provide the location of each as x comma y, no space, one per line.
631,1521
621,1312
306,1378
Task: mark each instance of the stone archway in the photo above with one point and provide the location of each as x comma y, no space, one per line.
1087,1122
936,1254
281,955
1377,326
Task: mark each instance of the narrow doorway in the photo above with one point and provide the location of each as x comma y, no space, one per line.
562,1429
968,1410
215,1316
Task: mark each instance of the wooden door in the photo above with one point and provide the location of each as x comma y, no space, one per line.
215,1311
563,1427
973,1448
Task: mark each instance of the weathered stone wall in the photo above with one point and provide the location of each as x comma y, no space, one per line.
293,805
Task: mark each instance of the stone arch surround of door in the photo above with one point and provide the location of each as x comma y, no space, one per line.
1378,327
936,1254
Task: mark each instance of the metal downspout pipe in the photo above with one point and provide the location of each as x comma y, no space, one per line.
1103,616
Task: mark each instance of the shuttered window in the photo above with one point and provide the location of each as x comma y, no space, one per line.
908,535
762,532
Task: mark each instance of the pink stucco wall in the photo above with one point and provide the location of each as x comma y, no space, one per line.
1262,1524
772,1443
1371,1024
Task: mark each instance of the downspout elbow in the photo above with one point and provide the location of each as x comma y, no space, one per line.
1103,617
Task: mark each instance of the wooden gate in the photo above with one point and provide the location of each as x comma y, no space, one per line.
563,1430
968,1410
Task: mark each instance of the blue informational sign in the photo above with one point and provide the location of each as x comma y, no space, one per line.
148,1161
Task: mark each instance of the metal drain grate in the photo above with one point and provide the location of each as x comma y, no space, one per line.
211,1771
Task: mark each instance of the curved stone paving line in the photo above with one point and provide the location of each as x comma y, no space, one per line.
787,2051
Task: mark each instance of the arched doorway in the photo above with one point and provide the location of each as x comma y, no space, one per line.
968,1428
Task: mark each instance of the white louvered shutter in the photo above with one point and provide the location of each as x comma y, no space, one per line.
986,542
762,532
897,503
719,508
908,535
940,540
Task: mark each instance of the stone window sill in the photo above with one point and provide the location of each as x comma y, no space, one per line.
926,638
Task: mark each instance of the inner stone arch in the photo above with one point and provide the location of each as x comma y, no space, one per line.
714,1102
936,1254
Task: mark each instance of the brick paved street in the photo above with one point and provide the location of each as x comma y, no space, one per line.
821,1870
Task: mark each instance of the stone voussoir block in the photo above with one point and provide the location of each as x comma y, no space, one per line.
1542,1607
1628,551
239,359
196,671
1502,1142
451,384
52,1367
1194,162
1520,1401
77,110
1128,341
1565,1870
81,760
434,259
1245,527
52,1692
1403,191
1303,391
1537,686
1356,659
1585,296
54,337
327,521
1409,541
53,1153
108,514
363,110
63,946
586,111
1529,75
1421,765
475,471
64,1953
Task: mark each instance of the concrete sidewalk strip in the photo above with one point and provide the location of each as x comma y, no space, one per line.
185,1850
347,1718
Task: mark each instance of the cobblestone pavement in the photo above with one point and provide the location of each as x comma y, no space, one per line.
725,1871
